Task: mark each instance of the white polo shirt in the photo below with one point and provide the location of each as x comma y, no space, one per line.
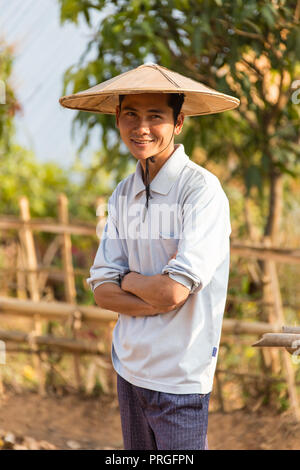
174,352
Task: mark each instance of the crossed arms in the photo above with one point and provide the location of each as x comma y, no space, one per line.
205,245
141,295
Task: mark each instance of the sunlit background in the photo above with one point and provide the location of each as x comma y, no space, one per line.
43,50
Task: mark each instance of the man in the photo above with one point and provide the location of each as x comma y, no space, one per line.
163,261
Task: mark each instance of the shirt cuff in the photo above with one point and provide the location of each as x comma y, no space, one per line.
96,284
187,282
196,288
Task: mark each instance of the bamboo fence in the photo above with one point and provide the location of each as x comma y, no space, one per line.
32,275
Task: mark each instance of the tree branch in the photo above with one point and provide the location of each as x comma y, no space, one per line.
253,67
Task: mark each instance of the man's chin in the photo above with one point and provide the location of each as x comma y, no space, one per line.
142,154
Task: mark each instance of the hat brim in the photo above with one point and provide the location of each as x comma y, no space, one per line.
150,78
195,103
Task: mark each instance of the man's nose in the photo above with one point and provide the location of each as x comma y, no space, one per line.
142,126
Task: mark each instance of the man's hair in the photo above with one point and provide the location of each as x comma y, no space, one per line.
175,101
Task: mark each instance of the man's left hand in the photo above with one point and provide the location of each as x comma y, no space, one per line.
128,279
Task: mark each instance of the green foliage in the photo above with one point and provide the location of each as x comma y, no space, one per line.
21,174
219,43
11,105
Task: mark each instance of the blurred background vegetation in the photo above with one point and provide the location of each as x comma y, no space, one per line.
250,50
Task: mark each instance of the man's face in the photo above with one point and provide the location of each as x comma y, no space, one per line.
146,125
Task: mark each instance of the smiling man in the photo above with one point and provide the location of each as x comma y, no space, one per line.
146,123
163,260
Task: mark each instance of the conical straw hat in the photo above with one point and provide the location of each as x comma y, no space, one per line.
150,78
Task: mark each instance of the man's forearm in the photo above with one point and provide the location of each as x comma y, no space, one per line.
111,297
151,289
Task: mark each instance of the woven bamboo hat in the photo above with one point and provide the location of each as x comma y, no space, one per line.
150,78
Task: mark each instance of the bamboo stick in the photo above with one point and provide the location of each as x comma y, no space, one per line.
70,292
48,225
93,370
284,340
289,256
55,310
21,278
48,270
47,259
27,242
246,327
67,345
270,312
291,329
259,302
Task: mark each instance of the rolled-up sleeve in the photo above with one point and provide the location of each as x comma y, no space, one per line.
111,260
184,280
204,238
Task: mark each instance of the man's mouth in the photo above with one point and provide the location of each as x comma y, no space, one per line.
141,142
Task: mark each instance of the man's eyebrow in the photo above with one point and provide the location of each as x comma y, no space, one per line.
156,110
129,108
152,110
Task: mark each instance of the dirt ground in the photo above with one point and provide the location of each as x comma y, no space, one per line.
74,422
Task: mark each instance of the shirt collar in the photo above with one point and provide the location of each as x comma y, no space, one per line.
167,175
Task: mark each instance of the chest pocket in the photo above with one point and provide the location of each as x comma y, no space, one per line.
168,243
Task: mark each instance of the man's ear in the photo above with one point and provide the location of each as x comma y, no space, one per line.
179,124
117,115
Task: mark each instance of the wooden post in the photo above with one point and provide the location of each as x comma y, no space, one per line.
271,356
28,248
51,251
62,345
288,367
272,294
1,384
93,370
70,289
220,392
21,277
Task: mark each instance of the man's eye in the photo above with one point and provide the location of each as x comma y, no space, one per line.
156,116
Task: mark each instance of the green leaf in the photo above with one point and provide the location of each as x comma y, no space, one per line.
189,140
268,14
197,40
253,177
